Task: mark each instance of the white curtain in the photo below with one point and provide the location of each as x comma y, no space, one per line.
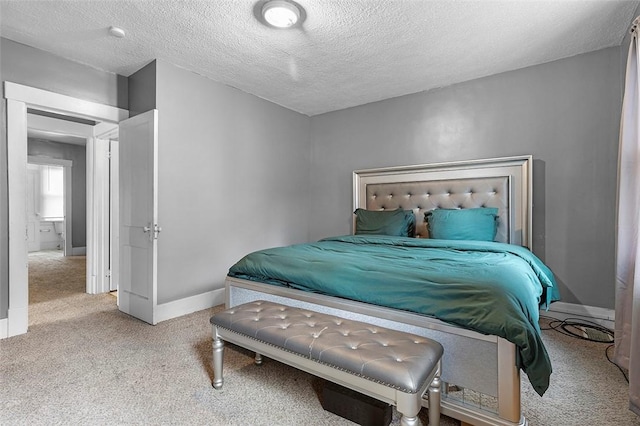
627,329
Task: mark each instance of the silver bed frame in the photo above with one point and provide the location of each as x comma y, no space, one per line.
481,380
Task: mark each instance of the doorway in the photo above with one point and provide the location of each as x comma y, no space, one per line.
56,218
49,204
19,99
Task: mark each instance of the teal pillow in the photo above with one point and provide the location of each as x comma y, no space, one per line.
385,222
479,224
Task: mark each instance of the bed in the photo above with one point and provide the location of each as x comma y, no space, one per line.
481,364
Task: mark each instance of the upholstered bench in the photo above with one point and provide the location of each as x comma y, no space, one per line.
392,366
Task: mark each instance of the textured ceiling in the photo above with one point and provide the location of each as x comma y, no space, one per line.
346,53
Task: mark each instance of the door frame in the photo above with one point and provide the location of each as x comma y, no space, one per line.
114,223
55,126
101,195
18,99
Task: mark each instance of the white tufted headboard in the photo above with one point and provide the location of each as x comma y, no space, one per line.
504,183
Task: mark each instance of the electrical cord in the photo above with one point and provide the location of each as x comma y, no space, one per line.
624,373
568,327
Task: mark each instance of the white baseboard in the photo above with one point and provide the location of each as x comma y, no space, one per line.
50,245
78,251
4,328
562,311
189,305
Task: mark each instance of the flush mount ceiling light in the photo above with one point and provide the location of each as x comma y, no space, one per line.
281,13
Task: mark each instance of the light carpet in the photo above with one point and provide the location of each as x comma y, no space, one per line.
83,362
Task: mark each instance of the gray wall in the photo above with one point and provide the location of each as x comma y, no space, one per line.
565,113
32,67
37,68
77,154
233,178
142,89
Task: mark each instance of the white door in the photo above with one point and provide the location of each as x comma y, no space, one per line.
33,211
138,187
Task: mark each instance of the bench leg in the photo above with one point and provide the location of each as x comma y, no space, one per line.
410,421
409,404
434,399
258,359
218,353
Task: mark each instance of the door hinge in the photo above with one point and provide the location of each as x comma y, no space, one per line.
108,274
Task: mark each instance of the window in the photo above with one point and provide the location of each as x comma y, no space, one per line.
52,193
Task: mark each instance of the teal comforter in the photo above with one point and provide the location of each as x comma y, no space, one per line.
492,288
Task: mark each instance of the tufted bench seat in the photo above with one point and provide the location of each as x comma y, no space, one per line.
392,366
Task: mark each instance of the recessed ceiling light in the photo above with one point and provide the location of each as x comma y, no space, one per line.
281,13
